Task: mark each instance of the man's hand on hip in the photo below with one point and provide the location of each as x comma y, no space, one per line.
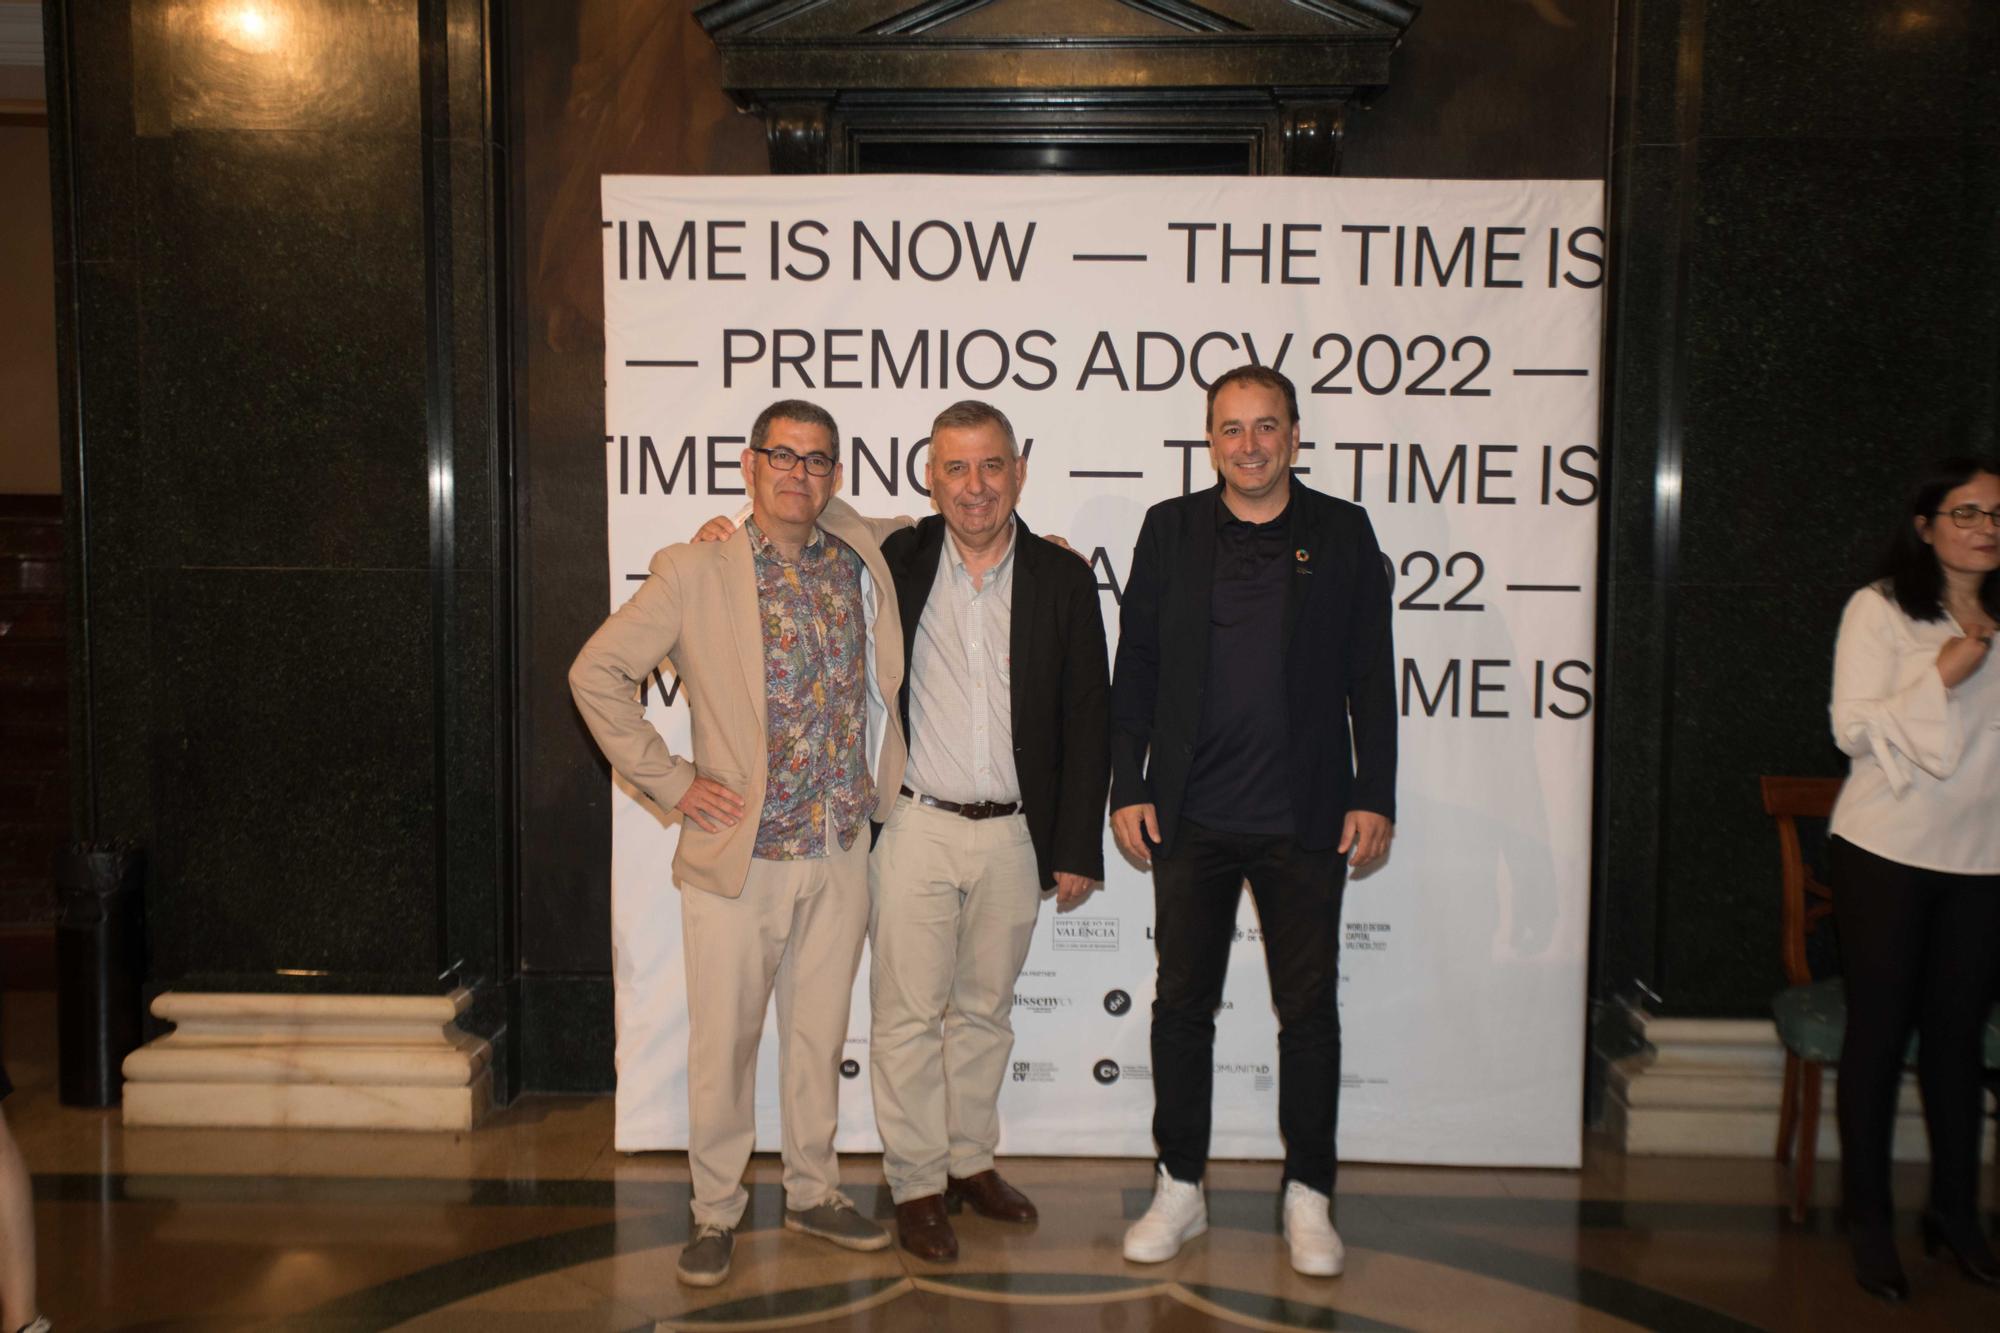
1366,835
712,806
1133,826
1071,889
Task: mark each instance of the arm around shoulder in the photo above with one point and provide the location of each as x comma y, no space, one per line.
884,528
879,530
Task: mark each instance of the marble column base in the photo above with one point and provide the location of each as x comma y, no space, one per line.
310,1062
1712,1088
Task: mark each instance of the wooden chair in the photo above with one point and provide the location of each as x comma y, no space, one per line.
1810,1014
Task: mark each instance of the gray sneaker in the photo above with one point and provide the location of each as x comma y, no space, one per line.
705,1259
836,1220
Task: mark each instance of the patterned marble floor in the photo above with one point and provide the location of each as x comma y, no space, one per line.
536,1222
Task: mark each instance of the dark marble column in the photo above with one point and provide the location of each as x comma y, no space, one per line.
288,534
598,86
1804,236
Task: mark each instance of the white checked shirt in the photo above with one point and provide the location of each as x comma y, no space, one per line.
961,702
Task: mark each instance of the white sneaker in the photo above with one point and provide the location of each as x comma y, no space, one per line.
1316,1247
1179,1214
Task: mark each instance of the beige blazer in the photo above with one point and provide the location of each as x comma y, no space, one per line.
698,611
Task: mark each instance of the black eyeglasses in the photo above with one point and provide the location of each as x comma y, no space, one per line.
783,459
1969,516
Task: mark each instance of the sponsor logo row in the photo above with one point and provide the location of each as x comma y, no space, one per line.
1117,1003
1107,1071
1102,934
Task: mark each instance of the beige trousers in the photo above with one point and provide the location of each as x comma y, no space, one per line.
952,905
798,924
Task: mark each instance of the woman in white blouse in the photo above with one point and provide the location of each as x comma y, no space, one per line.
1915,862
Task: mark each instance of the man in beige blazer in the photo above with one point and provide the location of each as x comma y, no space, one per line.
787,641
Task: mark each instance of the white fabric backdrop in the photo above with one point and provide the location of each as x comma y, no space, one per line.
1421,321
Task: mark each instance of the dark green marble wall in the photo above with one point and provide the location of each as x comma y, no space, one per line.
1804,231
288,520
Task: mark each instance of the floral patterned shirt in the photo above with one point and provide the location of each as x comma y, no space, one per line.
816,695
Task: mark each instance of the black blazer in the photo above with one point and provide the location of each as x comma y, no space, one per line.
1339,663
1059,691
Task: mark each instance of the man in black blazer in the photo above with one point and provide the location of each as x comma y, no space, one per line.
1005,702
1253,736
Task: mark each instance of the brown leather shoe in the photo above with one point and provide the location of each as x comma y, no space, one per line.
925,1231
991,1197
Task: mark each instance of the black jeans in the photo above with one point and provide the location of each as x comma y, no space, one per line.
1918,949
1195,892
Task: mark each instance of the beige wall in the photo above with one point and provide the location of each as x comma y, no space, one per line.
30,437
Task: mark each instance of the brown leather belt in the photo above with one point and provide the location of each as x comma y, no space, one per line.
966,809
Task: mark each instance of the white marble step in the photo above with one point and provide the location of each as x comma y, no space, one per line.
307,1105
1695,1087
310,1061
1712,1088
177,1059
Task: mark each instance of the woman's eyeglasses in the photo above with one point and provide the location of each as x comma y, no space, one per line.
1969,516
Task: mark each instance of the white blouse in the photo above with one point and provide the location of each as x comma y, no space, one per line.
1924,785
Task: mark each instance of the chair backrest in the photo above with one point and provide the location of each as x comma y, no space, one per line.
1806,900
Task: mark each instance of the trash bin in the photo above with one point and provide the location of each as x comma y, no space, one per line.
100,968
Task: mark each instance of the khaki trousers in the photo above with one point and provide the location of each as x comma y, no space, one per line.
952,904
798,924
